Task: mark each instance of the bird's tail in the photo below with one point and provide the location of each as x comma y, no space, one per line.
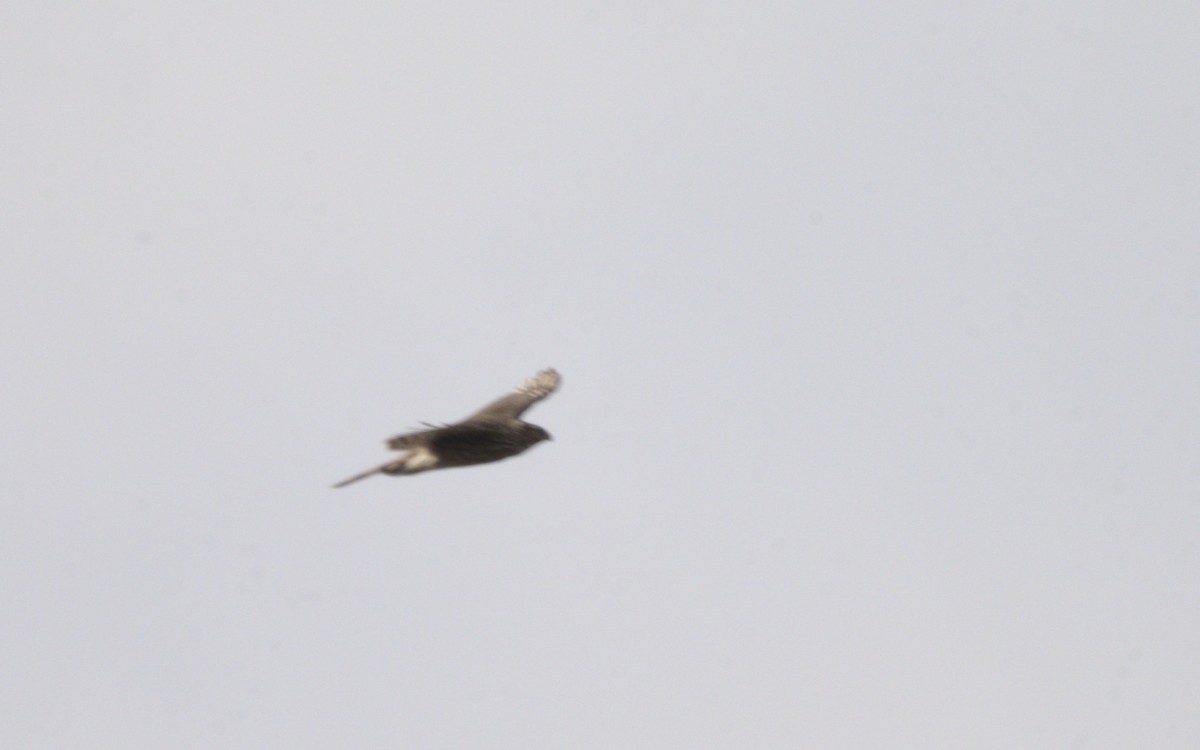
364,475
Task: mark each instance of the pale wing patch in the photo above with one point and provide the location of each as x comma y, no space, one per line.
419,459
540,385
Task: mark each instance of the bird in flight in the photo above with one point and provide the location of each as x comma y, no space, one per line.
493,433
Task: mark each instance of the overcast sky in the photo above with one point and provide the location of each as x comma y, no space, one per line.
879,327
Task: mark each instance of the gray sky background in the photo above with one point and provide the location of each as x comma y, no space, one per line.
878,326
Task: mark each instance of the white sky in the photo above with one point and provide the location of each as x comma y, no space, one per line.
880,333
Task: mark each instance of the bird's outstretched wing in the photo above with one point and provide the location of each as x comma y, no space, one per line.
526,395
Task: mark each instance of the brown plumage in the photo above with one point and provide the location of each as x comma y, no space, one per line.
493,433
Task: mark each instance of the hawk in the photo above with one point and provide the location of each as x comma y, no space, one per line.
493,433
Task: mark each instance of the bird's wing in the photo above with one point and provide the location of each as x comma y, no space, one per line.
526,395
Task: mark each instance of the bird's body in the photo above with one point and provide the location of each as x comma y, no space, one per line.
493,433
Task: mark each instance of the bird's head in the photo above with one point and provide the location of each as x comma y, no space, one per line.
538,433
